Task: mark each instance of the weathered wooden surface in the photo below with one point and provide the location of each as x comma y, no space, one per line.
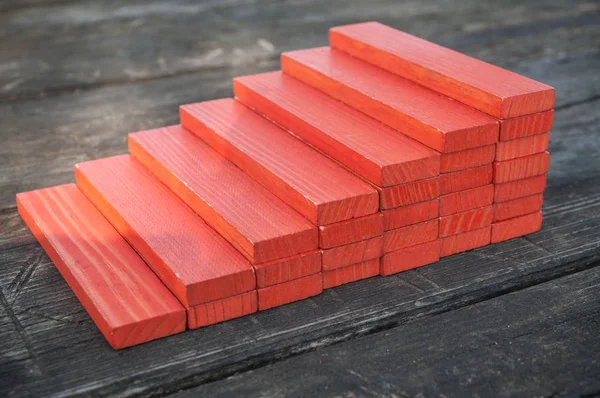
75,79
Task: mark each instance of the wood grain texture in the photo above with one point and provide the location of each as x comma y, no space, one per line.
350,231
289,292
407,194
350,273
466,200
515,227
520,168
466,221
410,257
195,262
466,241
352,253
411,235
222,310
124,298
520,188
518,207
366,147
521,147
467,159
410,214
399,103
483,86
252,219
523,126
287,269
466,179
290,169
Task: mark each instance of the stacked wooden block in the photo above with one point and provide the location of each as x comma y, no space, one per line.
380,154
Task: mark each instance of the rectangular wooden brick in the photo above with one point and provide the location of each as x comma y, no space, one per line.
411,235
521,147
290,169
516,227
351,273
518,207
124,298
466,241
483,86
410,257
222,310
467,159
345,232
396,102
193,260
466,200
368,148
466,179
519,189
523,126
287,269
357,252
466,221
288,292
520,168
407,194
410,214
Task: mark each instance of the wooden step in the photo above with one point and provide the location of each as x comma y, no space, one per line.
410,257
288,292
222,310
407,194
124,298
466,179
523,126
252,219
345,232
357,252
466,200
466,221
518,207
520,168
411,214
368,148
297,174
351,273
483,86
411,235
516,227
467,159
519,189
193,260
466,241
522,147
287,269
397,102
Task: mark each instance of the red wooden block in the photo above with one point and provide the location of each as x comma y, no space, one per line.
411,214
288,292
518,207
297,174
465,241
196,263
521,147
350,231
124,298
467,159
466,200
410,257
370,149
466,221
399,103
351,273
483,86
520,188
407,194
357,252
222,310
515,227
466,179
284,270
411,235
520,168
518,127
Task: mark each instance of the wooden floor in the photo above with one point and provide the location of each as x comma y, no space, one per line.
521,318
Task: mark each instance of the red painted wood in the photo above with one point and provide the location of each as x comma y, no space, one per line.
519,127
410,257
287,269
252,219
518,207
357,252
368,148
466,200
194,261
397,102
345,232
466,241
506,150
407,194
466,221
124,298
351,273
290,169
520,168
466,179
467,159
288,292
515,227
222,310
411,235
411,214
520,188
483,86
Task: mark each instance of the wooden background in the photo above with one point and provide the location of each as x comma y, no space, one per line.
518,318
